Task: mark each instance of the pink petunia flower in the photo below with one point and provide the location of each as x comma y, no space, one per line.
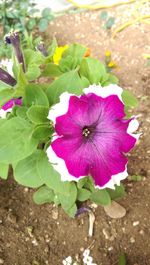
92,136
7,107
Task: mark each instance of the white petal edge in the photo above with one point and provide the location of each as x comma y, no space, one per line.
106,91
8,64
60,108
3,113
60,166
115,180
133,126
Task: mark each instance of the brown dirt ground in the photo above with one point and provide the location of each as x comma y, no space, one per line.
40,235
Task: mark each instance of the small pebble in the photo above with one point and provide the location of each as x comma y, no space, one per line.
82,249
132,240
34,242
110,248
115,210
1,261
123,229
136,223
55,214
141,232
93,205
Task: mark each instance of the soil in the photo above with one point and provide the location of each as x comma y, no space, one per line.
40,235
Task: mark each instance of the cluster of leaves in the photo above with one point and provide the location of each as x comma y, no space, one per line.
108,21
21,15
26,132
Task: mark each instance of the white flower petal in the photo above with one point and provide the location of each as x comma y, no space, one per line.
69,259
8,64
115,180
60,108
133,126
86,252
60,166
104,91
3,113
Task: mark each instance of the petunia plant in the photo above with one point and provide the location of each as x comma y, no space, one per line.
65,126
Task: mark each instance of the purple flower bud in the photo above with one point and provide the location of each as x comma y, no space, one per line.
13,38
7,78
42,49
82,210
7,40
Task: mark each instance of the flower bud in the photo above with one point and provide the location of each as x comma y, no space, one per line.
13,38
42,49
7,78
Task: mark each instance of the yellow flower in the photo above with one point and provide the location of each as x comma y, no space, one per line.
107,53
112,64
58,53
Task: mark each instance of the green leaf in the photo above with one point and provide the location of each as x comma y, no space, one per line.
5,95
38,114
92,69
31,23
66,191
33,57
69,82
83,195
103,15
75,50
67,194
128,99
110,22
119,192
21,82
50,17
43,24
4,170
26,171
68,63
46,12
21,112
71,211
109,79
46,171
81,182
16,141
3,86
43,195
101,197
135,178
51,48
113,79
42,132
89,184
51,70
34,95
122,259
56,200
85,81
33,72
